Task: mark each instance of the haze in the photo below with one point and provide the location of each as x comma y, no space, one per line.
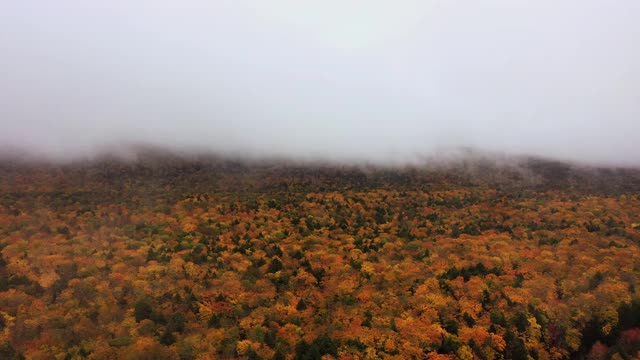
335,80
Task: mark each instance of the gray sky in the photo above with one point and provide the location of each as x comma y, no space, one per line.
374,80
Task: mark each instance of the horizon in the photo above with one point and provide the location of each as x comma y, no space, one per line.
444,160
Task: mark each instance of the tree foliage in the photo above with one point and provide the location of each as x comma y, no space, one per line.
184,260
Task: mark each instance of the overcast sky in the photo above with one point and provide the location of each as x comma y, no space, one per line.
372,80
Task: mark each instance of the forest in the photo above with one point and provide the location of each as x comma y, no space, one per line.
170,257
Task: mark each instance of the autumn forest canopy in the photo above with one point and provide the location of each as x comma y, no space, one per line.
293,180
166,256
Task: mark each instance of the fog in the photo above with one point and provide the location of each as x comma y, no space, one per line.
371,80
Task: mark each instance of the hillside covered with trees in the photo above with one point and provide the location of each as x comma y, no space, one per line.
166,257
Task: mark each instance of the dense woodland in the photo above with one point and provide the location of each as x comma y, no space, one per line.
167,257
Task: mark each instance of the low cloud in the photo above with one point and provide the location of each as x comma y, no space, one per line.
341,81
